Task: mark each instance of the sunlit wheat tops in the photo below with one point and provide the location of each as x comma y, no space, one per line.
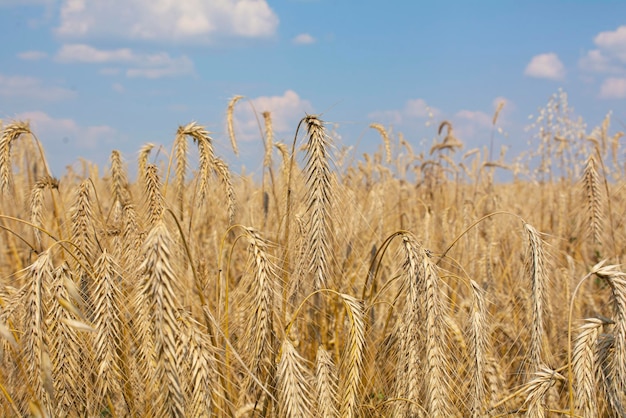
390,284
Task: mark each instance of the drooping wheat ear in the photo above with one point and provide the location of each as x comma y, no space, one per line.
537,389
10,133
205,149
34,343
584,366
617,281
538,282
478,345
223,173
269,139
181,150
259,342
610,390
154,195
107,320
200,372
592,193
65,348
352,362
421,282
285,155
385,136
36,203
318,203
119,179
294,389
229,120
144,154
326,384
159,286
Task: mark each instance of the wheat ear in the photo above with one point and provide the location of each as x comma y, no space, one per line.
326,384
318,203
107,320
35,341
294,391
269,139
223,173
478,341
119,179
537,389
593,200
260,339
36,203
10,134
159,285
229,121
385,136
583,364
66,348
538,280
352,363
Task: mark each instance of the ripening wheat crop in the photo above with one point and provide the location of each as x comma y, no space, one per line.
408,283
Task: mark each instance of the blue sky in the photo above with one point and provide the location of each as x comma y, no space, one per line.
94,75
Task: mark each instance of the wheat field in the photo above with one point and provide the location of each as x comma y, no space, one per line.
405,283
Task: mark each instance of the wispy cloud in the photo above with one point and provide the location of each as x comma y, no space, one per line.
32,55
304,39
413,109
167,20
547,66
139,64
32,88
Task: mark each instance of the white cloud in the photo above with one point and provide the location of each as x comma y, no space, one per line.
32,55
194,20
613,88
32,88
477,117
613,42
545,66
53,130
413,109
117,87
286,112
304,39
89,54
140,64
